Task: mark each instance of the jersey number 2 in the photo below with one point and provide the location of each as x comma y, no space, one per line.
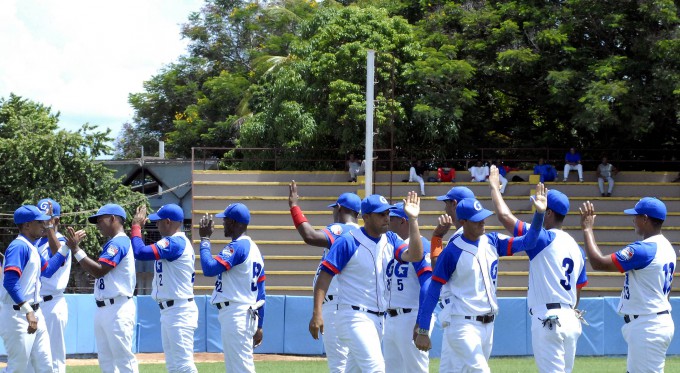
569,264
257,269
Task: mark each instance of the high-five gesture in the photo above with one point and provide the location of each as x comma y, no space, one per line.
206,226
292,194
73,238
412,205
494,177
540,200
140,216
587,215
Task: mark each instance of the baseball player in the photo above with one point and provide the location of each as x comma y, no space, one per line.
406,285
114,272
345,211
468,267
556,275
239,290
23,331
173,285
360,259
649,266
54,307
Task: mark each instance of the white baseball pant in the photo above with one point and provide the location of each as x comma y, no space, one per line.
238,327
444,364
337,354
578,168
555,348
23,348
113,328
401,355
362,332
55,312
648,338
414,177
471,343
178,323
610,182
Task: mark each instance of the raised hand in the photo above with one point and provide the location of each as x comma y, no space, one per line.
140,216
587,215
445,223
206,226
494,178
292,194
74,238
540,200
412,205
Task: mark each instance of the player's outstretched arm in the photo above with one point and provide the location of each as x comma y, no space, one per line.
502,210
412,210
73,239
597,260
320,290
437,244
310,235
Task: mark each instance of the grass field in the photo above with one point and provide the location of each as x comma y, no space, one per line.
498,365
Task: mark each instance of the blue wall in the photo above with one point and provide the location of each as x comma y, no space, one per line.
287,319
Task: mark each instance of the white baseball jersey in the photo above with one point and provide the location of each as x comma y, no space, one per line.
649,266
244,270
556,267
57,283
332,232
22,257
445,293
174,268
361,263
403,282
121,280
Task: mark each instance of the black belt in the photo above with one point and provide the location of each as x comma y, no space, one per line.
220,305
106,302
483,319
328,298
395,312
170,303
627,318
553,306
357,308
48,298
34,306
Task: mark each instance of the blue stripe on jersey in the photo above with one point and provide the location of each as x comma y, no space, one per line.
235,253
170,248
11,283
340,253
637,255
16,256
424,265
335,230
446,264
115,250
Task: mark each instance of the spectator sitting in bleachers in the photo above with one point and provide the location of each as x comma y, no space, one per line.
356,167
446,173
546,171
479,172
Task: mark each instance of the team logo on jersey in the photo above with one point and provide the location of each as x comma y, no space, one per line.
112,251
336,229
162,244
477,206
227,252
427,258
625,254
383,200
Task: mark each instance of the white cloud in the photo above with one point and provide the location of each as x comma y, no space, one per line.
84,57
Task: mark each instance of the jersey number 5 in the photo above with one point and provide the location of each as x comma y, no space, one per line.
569,264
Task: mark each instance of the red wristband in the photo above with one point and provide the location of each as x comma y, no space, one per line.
298,216
136,231
435,247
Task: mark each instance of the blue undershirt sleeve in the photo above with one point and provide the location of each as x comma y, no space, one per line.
11,284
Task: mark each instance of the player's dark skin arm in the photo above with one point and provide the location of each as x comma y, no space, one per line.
598,261
503,212
90,266
310,235
320,290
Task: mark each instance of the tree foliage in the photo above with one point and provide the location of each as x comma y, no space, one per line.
42,161
450,76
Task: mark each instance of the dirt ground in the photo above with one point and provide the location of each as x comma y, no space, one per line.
203,357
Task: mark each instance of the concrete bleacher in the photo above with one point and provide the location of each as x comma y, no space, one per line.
290,264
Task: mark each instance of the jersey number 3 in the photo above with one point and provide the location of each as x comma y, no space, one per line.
568,266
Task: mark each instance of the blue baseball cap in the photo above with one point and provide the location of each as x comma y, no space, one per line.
375,203
348,200
108,209
558,202
398,211
170,211
471,209
456,194
649,206
43,205
28,213
237,212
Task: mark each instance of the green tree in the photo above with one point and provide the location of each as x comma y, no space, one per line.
47,162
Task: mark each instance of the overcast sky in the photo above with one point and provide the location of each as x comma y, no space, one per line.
83,57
